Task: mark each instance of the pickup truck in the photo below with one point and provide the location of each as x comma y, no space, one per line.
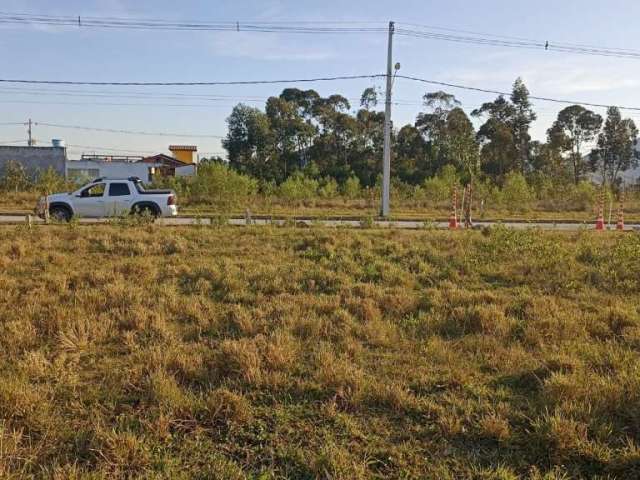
109,197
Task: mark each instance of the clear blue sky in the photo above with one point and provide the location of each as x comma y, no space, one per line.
38,52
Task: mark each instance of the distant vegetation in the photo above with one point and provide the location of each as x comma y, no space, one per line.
306,151
325,138
272,353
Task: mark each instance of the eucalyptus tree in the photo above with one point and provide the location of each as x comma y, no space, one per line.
575,127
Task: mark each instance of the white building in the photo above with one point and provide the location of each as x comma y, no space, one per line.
145,168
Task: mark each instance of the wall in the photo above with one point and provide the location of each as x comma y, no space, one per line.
185,156
85,170
34,159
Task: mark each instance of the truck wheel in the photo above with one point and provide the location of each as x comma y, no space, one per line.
60,214
145,212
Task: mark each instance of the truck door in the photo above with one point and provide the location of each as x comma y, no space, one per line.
90,201
119,199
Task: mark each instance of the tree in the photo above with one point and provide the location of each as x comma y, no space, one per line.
369,98
249,143
432,124
334,144
291,134
411,163
461,143
574,127
616,151
523,117
498,147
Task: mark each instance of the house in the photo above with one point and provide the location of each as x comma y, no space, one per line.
35,159
185,153
167,166
146,168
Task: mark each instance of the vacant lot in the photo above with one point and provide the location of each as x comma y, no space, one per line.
316,353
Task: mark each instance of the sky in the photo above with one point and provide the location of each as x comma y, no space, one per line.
71,53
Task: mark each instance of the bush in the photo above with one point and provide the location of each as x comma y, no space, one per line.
439,188
583,196
351,188
15,178
298,187
217,183
516,193
329,188
49,181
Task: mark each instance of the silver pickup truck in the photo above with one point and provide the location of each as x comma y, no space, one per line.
109,197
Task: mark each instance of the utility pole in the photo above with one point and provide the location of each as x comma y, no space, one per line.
386,161
30,141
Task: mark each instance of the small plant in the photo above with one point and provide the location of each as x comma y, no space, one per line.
367,222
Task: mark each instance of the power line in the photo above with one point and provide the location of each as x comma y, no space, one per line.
127,132
145,24
511,37
112,104
147,95
498,92
316,27
134,94
165,84
522,44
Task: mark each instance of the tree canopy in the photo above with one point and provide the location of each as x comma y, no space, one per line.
328,137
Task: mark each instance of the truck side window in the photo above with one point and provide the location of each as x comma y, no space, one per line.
93,191
119,190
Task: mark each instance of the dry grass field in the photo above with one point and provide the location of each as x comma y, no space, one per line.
272,353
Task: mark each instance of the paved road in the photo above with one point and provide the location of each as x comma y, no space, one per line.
402,224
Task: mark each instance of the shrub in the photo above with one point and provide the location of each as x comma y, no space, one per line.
298,187
328,188
439,188
583,196
516,193
15,178
351,188
49,181
217,183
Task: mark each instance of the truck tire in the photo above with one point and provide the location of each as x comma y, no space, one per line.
60,213
148,210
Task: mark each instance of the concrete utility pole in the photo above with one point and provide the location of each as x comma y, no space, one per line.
386,161
30,141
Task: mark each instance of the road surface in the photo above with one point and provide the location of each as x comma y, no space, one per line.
402,224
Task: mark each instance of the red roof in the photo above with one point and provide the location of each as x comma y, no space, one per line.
165,160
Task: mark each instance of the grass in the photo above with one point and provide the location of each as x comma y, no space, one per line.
24,202
267,353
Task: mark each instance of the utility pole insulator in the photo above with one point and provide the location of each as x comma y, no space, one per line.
386,161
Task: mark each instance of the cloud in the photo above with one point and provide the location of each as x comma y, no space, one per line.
271,47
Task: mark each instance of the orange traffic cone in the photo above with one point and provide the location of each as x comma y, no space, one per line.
600,219
453,219
620,225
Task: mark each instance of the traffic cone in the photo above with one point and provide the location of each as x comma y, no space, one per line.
453,219
620,225
600,219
